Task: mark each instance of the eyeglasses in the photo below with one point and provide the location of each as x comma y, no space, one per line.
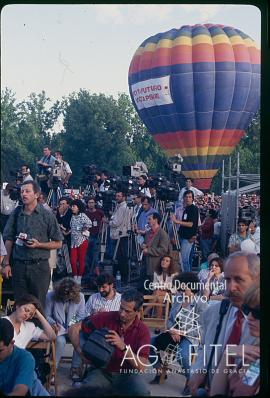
254,311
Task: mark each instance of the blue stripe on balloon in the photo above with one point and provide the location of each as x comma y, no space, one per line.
196,67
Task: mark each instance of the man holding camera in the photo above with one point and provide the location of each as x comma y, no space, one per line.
45,166
31,232
61,170
25,172
130,338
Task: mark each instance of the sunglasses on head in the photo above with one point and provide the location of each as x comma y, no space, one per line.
254,311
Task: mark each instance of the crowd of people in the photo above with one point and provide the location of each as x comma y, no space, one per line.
213,323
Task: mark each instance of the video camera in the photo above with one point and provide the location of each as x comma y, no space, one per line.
90,171
136,170
167,191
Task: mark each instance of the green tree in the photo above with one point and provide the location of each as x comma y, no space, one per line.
94,133
249,151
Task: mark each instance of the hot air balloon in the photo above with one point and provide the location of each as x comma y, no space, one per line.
196,89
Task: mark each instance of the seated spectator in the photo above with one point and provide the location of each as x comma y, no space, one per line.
17,366
237,238
205,266
64,305
177,334
26,308
238,383
214,282
107,299
163,283
126,332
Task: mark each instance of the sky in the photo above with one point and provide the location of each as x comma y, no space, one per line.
62,48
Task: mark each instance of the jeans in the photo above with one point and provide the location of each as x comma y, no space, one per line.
130,384
91,257
60,347
37,389
186,247
206,246
183,356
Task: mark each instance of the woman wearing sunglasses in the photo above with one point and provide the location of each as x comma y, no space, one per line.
241,376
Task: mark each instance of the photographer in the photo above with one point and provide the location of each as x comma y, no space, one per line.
61,170
25,172
103,182
45,165
143,186
119,226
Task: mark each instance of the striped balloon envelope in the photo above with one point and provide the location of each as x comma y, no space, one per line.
196,89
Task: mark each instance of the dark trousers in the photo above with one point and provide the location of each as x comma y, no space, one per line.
32,279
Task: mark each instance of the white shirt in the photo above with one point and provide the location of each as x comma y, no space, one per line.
28,331
96,302
196,192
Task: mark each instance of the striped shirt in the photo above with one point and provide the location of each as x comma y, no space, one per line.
96,302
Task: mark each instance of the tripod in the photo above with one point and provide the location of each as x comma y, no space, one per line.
54,196
133,269
163,224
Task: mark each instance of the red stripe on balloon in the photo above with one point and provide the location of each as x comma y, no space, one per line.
203,184
199,138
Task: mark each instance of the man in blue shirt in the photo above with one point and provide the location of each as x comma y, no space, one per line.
17,366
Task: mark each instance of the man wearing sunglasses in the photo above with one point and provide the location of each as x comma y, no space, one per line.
242,269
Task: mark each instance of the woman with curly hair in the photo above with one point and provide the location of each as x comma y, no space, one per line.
79,225
65,305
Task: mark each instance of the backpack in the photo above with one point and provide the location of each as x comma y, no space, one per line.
97,349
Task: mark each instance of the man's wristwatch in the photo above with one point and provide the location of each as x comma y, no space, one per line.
124,349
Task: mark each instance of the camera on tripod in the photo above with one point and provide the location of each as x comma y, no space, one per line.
90,171
166,190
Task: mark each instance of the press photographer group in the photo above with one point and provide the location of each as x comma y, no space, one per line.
137,274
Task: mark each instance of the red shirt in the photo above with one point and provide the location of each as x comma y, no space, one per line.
136,335
207,228
96,218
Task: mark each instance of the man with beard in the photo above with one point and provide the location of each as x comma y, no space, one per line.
131,339
242,269
107,298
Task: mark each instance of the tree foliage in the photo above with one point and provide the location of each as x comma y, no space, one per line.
97,129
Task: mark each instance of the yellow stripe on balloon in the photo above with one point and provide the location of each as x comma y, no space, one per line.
200,151
200,173
182,41
220,39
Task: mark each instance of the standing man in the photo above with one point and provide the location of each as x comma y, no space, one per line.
188,228
62,169
119,225
25,170
31,232
45,165
157,244
188,187
97,216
